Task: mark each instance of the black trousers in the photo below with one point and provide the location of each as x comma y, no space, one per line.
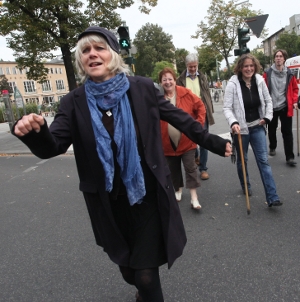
286,130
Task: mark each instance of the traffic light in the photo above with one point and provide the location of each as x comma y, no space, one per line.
242,39
124,40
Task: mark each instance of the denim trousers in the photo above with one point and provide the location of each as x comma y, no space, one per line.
203,153
286,130
257,140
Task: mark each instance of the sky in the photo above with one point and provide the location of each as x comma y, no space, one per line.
180,19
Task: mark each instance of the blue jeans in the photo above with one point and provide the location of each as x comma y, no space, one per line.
257,139
203,153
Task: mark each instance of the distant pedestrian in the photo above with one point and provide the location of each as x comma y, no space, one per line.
177,147
248,108
283,89
113,122
196,81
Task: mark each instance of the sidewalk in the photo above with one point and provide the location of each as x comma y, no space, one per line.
9,144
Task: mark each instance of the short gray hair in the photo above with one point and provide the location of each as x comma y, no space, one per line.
116,64
192,57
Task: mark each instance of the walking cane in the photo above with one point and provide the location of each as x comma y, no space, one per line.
298,130
244,173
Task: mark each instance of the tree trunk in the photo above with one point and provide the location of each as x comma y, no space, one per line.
67,58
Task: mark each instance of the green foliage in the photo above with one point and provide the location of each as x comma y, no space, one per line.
208,58
153,45
289,42
159,66
55,106
29,108
260,56
18,112
2,114
219,31
35,28
180,55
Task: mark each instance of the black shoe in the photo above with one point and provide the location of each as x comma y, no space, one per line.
272,152
275,203
249,192
291,162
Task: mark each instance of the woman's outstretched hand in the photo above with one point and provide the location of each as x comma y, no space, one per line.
228,150
28,123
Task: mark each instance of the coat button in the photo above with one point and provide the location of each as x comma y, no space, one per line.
154,166
167,186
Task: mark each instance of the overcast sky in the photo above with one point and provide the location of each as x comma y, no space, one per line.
180,19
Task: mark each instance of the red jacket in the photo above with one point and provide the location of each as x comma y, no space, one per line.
192,104
291,89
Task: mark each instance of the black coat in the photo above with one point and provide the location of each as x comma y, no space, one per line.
72,125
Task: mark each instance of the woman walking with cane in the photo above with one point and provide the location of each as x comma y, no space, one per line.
248,108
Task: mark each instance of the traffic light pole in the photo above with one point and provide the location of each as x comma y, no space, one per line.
9,115
125,45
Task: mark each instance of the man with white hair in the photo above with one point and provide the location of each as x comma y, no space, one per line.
196,81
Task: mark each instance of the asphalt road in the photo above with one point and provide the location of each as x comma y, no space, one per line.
48,252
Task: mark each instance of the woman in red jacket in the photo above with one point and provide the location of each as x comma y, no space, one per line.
177,147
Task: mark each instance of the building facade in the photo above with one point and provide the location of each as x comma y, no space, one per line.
50,91
269,43
294,25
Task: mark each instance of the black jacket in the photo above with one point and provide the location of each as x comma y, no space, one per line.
72,125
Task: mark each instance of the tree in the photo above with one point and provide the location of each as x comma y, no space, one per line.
289,42
35,28
158,67
208,58
220,30
260,56
180,55
153,45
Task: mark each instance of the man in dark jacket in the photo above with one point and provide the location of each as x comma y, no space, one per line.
283,89
201,89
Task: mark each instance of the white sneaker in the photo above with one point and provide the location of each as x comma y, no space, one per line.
178,196
195,204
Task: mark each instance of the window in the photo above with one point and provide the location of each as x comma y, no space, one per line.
60,97
60,85
48,100
12,86
46,86
60,70
14,70
29,86
7,70
1,71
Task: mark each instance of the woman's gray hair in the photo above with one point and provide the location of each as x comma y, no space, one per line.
116,64
192,57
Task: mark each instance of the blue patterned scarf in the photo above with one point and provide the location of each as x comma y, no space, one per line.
112,95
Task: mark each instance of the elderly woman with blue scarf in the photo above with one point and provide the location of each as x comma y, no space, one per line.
113,122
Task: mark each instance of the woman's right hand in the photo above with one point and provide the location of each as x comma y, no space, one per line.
28,123
235,129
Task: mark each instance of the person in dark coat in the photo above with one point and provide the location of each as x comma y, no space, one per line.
113,122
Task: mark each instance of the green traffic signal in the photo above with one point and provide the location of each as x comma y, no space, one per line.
124,40
124,43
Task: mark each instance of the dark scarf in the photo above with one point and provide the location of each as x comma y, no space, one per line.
111,95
